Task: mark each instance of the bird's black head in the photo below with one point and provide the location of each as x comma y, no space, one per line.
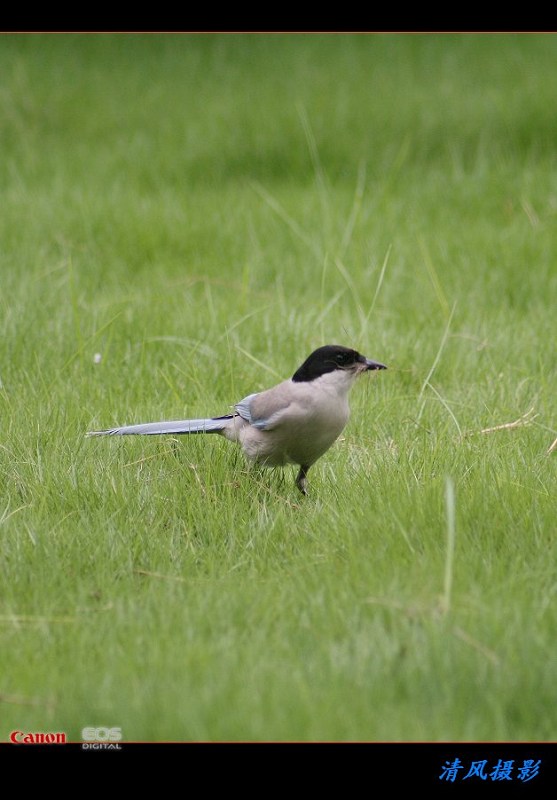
331,357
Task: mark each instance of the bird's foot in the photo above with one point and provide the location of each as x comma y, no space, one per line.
301,480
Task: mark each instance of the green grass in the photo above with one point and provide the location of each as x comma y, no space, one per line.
202,211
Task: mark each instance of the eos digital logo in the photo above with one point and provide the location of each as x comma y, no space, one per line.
101,738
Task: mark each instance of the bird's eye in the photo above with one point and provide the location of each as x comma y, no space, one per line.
341,358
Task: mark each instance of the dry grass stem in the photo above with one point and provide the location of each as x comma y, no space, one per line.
521,422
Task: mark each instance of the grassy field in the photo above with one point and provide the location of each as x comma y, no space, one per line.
183,219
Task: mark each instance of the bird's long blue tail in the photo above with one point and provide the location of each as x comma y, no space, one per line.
214,425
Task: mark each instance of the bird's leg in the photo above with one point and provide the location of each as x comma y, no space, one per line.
301,480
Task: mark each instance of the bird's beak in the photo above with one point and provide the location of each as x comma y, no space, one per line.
374,364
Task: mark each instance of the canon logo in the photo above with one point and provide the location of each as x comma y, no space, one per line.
19,737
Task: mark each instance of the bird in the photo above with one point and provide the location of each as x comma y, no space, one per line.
294,422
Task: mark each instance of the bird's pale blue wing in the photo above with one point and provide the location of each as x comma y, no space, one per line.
244,408
263,410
